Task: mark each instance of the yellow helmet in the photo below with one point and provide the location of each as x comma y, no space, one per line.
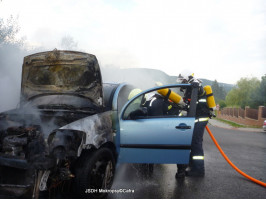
134,92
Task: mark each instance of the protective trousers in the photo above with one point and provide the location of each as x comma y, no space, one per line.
197,154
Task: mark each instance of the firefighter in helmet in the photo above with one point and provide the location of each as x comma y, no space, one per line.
204,111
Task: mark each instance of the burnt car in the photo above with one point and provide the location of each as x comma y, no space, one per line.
70,129
61,133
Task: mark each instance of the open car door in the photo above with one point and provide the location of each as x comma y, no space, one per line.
157,139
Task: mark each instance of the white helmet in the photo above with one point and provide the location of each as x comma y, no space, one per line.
185,76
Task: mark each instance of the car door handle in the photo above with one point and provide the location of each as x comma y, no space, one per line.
183,127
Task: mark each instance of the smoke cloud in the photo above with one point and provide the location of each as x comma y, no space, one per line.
11,59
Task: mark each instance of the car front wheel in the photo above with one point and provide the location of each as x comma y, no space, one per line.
95,174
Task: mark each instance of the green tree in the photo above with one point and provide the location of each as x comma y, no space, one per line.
232,97
222,104
258,96
218,91
241,94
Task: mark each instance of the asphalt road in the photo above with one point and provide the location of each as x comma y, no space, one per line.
246,149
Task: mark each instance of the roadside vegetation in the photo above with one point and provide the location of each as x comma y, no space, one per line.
233,124
247,92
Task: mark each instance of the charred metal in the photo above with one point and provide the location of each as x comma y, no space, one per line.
61,115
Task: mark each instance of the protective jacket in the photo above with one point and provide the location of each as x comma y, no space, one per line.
157,105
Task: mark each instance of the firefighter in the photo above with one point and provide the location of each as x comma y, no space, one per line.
164,102
204,111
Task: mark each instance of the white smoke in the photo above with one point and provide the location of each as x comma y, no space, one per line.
10,92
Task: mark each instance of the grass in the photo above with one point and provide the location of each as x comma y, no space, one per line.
235,124
231,123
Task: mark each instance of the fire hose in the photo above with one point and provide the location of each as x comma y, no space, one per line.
230,163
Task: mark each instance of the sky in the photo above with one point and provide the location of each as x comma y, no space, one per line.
215,39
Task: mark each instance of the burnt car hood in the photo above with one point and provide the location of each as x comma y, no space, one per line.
45,120
62,73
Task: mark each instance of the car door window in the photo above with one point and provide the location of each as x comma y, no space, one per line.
154,105
136,109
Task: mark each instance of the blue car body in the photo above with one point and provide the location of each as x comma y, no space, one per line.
154,139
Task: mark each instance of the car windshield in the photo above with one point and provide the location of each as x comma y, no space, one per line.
60,74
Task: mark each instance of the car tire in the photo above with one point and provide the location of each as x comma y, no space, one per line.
94,173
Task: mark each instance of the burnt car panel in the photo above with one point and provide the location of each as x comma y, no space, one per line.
62,72
61,121
65,143
97,129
